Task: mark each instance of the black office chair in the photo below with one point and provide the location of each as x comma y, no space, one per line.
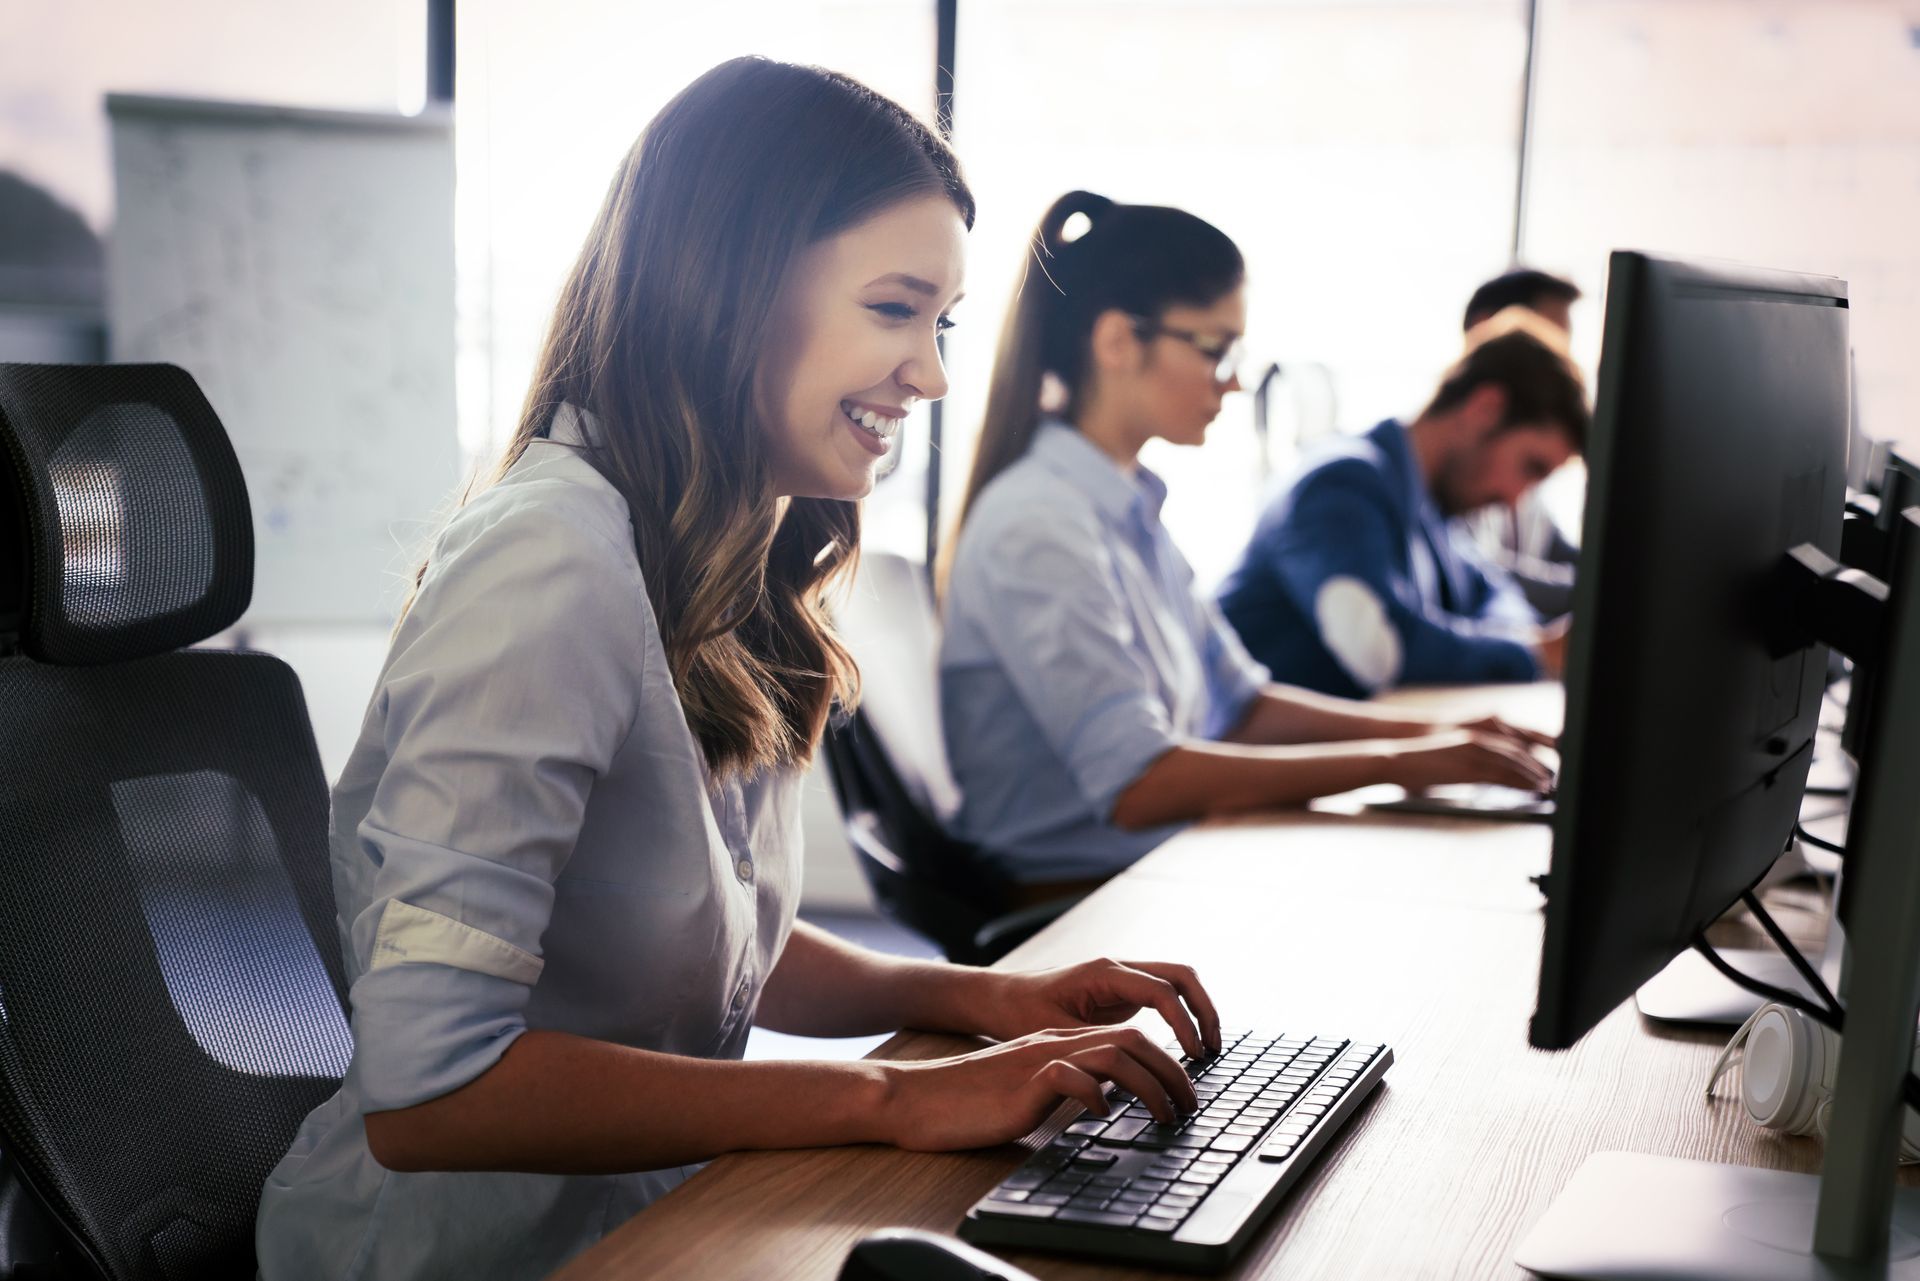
172,1000
891,777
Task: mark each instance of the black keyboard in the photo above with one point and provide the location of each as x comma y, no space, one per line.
1188,1195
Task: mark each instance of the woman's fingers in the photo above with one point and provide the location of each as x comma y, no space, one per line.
1187,983
1060,1077
1138,988
1137,1063
1520,766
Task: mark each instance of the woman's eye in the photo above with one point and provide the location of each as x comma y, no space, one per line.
893,310
944,323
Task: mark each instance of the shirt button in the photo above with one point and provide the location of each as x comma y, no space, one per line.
745,868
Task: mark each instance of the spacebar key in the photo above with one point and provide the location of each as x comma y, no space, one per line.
1015,1210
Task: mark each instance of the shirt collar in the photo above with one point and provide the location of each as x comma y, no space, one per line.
574,426
1116,493
1396,443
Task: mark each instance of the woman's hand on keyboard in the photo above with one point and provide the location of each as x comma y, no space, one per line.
1000,1093
1007,1004
1494,727
1464,756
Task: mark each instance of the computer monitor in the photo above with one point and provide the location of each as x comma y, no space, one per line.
1719,443
1710,573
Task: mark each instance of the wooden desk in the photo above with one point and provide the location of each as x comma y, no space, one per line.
1424,932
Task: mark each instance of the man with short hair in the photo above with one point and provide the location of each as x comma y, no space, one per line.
1550,297
1524,540
1358,578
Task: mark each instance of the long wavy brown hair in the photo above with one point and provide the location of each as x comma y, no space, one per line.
658,334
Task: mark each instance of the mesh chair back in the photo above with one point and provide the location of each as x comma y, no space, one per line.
172,997
890,770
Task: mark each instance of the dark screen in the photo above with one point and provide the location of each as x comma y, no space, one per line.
1719,442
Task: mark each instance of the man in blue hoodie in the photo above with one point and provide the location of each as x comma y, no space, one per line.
1359,577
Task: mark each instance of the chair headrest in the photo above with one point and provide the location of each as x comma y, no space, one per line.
129,533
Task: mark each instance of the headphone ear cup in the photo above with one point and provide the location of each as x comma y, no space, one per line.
1786,1072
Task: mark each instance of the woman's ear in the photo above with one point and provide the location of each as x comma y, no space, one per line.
1115,346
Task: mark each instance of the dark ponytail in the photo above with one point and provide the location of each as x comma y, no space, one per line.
1140,259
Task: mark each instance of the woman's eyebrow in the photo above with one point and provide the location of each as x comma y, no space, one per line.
914,283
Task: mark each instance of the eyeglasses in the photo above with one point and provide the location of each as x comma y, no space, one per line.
1225,353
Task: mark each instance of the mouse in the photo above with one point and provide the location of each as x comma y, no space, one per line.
907,1254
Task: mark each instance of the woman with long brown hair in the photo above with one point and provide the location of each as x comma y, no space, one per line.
566,844
1092,700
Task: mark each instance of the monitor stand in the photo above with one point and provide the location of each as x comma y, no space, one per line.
1627,1215
1690,990
1632,1215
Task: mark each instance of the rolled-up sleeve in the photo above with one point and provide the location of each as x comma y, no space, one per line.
510,686
1061,632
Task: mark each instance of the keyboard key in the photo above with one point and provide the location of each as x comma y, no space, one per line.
1156,1224
1133,1196
1205,1175
1094,1160
1156,1136
1016,1210
1024,1179
1251,1131
1181,1200
1147,1183
1088,1129
1047,1198
1126,1129
1088,1201
1221,1160
1108,1181
1100,1218
1231,1143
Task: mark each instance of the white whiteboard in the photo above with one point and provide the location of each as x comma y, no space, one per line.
299,264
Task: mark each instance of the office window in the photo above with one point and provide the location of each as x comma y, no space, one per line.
1362,155
551,97
1784,133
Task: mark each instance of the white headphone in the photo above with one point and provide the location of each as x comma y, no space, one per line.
1787,1073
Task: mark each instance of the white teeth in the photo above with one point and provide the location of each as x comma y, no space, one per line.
884,428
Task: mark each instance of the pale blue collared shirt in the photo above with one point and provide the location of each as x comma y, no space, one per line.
525,837
1076,653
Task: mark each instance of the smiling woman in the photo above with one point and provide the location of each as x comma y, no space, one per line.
565,847
854,344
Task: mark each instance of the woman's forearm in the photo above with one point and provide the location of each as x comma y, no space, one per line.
561,1104
1285,715
1200,779
825,986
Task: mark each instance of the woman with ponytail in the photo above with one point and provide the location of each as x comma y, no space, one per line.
566,846
1092,699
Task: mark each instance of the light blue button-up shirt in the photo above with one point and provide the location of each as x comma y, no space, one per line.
1076,653
525,836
